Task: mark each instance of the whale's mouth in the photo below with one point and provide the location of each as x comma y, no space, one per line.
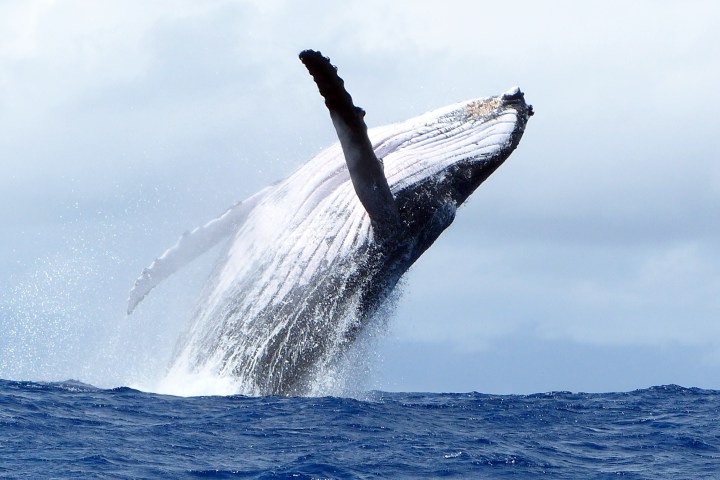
516,97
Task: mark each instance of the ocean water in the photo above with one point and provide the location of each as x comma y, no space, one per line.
73,430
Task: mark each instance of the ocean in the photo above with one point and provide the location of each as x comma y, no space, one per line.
73,430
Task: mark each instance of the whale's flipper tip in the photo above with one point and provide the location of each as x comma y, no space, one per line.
309,53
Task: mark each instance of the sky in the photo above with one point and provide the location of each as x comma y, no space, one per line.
588,262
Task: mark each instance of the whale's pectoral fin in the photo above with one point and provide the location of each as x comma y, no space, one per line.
190,246
366,171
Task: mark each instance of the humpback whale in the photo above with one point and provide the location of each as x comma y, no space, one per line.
310,260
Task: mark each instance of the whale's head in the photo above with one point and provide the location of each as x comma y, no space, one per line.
452,150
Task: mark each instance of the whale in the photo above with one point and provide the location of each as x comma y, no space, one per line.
310,262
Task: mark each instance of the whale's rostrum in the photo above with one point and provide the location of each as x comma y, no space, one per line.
311,259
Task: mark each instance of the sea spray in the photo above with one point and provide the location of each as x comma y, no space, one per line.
62,315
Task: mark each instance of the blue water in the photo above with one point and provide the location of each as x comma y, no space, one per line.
71,430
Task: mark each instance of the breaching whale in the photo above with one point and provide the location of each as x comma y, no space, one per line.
311,259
